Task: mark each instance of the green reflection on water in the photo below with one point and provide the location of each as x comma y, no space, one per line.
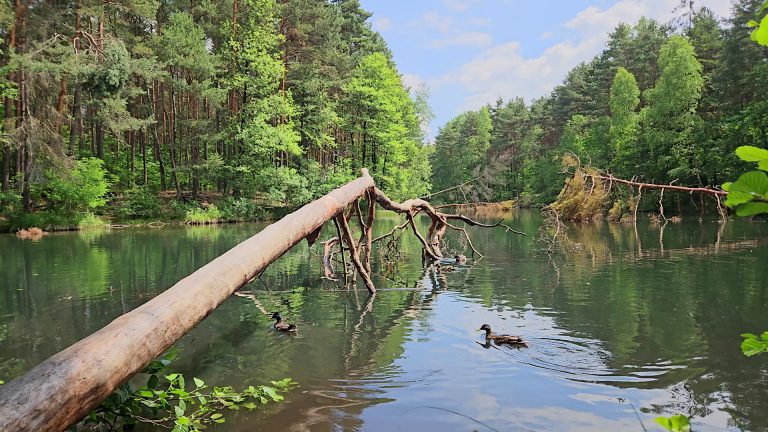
644,315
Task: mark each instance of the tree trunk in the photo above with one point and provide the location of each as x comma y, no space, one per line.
25,156
99,137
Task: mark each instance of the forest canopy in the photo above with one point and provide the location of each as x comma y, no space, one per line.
663,103
249,100
264,103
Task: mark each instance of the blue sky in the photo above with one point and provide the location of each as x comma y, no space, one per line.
470,52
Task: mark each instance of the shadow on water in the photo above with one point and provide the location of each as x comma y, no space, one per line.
638,321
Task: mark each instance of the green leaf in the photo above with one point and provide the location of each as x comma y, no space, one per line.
179,412
171,377
752,208
752,345
198,382
148,403
152,382
763,165
2,382
738,197
184,421
676,423
146,393
752,154
726,186
752,23
760,35
755,182
216,416
182,405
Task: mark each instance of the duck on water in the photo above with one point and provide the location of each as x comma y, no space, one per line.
280,325
502,339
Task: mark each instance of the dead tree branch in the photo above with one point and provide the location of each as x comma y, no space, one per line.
347,236
451,188
705,190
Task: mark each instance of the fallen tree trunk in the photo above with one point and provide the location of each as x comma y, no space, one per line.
63,389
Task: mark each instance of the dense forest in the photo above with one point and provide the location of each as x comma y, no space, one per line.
662,103
230,107
248,103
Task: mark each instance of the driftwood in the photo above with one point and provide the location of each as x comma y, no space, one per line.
63,389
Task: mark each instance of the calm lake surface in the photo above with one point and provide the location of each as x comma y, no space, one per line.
633,324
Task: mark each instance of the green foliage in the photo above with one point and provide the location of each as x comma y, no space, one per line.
675,423
247,104
624,129
139,203
760,33
241,210
671,113
753,344
749,194
207,215
112,73
170,401
381,116
81,190
461,148
90,221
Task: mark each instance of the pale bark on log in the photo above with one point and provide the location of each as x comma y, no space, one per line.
347,236
63,389
369,230
705,190
328,253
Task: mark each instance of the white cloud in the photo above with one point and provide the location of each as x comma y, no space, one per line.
432,19
467,39
546,35
382,24
502,71
412,81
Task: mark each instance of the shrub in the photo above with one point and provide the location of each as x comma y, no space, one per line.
241,209
140,203
89,221
207,215
82,190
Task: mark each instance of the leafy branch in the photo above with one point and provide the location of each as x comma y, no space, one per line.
749,194
675,423
170,402
753,345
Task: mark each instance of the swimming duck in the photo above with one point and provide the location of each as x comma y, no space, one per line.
460,259
444,268
281,326
502,339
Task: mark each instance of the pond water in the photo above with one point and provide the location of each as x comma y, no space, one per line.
631,324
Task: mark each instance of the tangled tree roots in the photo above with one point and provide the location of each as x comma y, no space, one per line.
359,250
589,194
